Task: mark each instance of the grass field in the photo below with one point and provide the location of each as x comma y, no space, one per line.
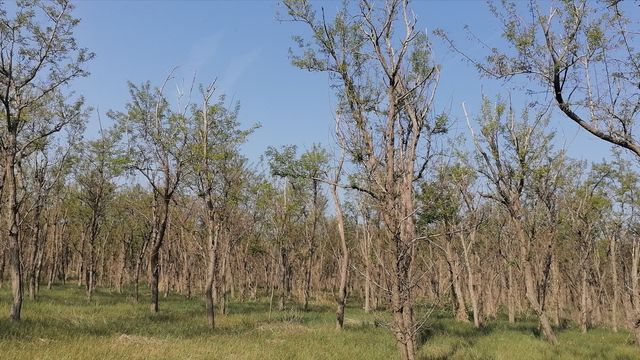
62,325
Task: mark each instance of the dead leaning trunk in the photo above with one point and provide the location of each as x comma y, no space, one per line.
344,259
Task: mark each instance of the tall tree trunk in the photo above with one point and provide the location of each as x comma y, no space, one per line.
154,259
210,285
402,283
12,212
470,278
3,260
307,280
614,282
529,278
57,255
138,269
81,263
635,294
456,288
126,243
91,267
402,306
154,268
37,248
511,296
284,265
584,311
555,288
368,270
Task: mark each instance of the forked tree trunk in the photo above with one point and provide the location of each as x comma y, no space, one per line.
529,279
456,288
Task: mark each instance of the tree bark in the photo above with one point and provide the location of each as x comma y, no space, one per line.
37,248
470,278
284,265
530,287
511,296
584,311
456,288
212,243
12,212
635,295
154,259
138,269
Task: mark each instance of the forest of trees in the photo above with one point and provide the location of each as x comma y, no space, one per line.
400,215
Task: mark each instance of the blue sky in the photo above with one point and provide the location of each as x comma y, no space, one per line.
243,45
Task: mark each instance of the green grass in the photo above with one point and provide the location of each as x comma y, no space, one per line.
62,325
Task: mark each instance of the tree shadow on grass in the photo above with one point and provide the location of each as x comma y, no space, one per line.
470,334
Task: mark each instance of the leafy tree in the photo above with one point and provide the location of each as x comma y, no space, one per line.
218,171
156,144
509,151
101,163
39,58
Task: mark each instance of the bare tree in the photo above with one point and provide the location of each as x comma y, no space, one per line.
385,83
